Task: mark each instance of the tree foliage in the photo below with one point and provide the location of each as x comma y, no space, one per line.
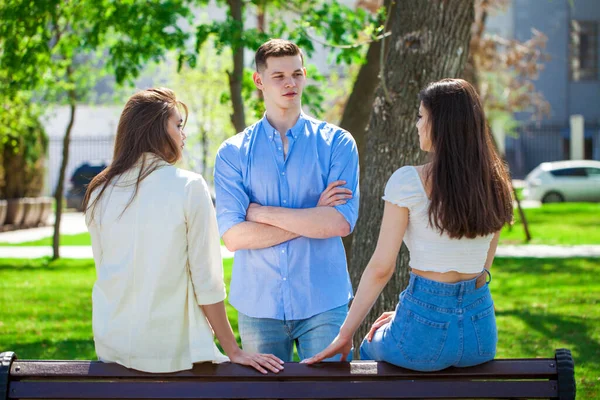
504,69
343,29
56,48
38,43
23,147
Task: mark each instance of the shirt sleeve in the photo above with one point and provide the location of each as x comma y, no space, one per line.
231,198
204,247
403,188
344,166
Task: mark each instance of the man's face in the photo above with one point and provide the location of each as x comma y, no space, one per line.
282,81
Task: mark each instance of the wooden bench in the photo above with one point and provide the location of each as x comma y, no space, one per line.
541,378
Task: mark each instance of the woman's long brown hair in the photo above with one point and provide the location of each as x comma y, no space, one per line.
142,129
470,185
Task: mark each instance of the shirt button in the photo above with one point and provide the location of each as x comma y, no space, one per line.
285,279
283,251
279,148
285,201
283,173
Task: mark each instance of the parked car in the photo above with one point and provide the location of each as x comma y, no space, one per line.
81,177
574,180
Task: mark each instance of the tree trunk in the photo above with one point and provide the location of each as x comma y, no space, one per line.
357,110
430,41
58,195
236,77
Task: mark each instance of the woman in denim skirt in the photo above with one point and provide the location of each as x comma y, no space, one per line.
449,212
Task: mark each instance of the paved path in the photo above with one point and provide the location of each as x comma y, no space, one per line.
545,251
70,224
73,223
65,252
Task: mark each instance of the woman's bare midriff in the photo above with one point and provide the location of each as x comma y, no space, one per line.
446,277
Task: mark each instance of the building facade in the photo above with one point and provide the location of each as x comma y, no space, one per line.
570,80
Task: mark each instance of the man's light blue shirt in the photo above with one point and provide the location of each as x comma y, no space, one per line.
302,277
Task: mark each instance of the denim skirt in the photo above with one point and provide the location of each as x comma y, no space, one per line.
437,325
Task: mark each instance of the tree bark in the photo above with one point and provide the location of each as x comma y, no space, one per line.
236,77
58,195
357,110
430,41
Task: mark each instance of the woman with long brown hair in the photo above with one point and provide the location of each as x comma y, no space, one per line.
449,212
159,291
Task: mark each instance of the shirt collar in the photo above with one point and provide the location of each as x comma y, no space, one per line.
296,130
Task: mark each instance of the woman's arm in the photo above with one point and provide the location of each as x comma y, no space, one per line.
206,273
492,251
217,318
376,275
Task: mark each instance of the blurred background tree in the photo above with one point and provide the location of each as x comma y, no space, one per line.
24,145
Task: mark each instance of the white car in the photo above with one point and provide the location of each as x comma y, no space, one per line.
573,180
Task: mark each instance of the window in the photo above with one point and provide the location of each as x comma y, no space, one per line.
569,172
594,172
583,60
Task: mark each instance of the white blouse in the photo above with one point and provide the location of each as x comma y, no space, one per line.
430,250
156,262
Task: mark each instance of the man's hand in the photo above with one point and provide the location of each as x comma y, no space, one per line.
334,195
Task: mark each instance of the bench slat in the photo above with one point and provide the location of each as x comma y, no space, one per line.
506,369
284,389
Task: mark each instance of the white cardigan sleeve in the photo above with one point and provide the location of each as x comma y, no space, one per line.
204,247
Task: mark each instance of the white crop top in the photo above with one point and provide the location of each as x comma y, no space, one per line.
430,251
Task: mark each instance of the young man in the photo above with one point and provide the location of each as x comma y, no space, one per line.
286,193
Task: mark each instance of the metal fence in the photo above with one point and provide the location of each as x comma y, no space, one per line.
81,150
535,144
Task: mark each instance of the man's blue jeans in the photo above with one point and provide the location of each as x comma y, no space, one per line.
437,325
311,335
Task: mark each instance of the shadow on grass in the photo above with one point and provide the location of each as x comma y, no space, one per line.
69,349
552,328
44,263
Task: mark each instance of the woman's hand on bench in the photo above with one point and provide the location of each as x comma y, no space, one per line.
341,344
383,319
257,361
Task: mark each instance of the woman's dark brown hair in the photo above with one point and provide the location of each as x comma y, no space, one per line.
142,129
470,186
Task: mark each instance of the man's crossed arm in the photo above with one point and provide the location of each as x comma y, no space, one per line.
267,226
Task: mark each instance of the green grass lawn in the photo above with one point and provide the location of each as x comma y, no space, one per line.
545,304
46,307
542,304
79,239
557,224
